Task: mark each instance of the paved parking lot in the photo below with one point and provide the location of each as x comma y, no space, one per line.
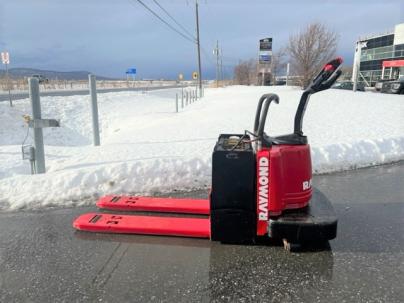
43,259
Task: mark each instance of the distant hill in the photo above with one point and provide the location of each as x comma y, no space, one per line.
51,75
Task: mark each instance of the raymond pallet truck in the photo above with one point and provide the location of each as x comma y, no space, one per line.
261,186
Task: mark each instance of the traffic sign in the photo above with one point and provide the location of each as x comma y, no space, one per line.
131,71
195,75
5,58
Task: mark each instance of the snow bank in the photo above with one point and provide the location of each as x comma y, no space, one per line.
148,148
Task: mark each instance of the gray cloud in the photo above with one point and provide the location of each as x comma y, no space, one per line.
106,37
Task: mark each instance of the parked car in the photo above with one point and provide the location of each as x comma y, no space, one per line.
394,87
379,84
41,79
280,82
348,85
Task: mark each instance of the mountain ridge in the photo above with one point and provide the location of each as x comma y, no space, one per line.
20,72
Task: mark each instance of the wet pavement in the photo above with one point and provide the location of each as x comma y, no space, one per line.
42,259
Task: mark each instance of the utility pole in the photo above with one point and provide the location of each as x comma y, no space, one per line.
216,52
221,65
199,49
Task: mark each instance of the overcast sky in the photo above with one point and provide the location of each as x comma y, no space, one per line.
107,37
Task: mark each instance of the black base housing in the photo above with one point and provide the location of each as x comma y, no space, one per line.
315,223
232,200
233,226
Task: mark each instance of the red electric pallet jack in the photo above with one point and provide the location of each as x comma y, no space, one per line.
261,186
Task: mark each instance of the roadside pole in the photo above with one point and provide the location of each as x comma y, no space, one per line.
94,110
5,58
176,102
199,48
221,68
287,74
8,86
182,97
216,53
38,134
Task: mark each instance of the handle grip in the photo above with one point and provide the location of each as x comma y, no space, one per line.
261,114
326,77
324,80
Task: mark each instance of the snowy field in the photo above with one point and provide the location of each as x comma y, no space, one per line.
148,148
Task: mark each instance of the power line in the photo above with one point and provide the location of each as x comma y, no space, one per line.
172,18
165,22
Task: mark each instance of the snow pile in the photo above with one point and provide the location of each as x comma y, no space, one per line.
147,147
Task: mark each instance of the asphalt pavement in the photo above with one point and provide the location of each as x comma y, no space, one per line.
43,259
44,93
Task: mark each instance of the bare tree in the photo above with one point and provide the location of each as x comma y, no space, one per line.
245,73
310,49
278,63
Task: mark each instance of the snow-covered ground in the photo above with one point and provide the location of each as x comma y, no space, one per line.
147,147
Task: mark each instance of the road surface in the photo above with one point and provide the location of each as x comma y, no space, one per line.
42,259
24,95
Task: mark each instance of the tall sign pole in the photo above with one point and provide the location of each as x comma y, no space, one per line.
265,57
5,58
199,49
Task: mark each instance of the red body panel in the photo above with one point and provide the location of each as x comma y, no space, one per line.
146,225
171,205
285,184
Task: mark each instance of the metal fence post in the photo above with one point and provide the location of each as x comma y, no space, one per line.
38,134
94,109
186,99
182,97
176,102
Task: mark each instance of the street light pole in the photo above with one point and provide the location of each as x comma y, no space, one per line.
199,49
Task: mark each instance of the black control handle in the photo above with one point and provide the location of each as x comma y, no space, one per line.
324,80
261,114
326,77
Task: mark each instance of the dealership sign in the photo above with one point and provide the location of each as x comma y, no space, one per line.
393,63
265,53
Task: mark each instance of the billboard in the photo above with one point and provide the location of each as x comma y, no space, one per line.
265,53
